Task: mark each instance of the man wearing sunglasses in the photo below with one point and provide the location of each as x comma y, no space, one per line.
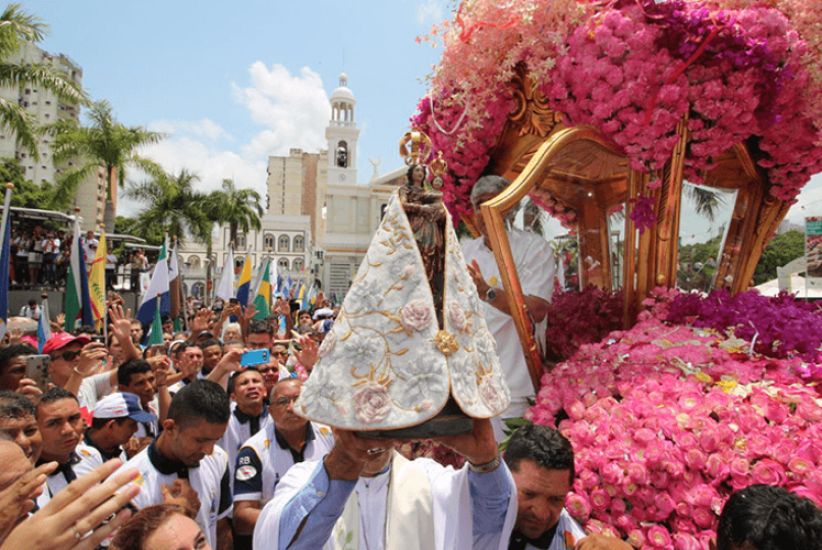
71,359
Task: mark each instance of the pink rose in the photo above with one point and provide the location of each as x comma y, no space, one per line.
768,472
416,315
612,473
457,316
636,538
577,505
658,537
664,504
600,499
703,517
684,541
637,473
372,402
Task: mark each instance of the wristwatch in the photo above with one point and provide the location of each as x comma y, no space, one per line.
490,294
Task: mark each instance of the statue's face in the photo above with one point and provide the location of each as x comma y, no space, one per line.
437,183
417,175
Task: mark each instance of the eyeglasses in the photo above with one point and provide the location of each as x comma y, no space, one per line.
66,356
280,353
284,401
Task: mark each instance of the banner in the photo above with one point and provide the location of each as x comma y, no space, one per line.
813,251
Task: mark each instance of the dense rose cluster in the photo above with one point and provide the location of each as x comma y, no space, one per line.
739,72
668,420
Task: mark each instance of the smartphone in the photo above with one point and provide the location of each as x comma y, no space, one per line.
254,357
233,301
98,338
37,369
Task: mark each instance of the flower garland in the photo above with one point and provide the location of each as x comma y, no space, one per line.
666,421
633,69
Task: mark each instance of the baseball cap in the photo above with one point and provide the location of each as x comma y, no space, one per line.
122,405
61,340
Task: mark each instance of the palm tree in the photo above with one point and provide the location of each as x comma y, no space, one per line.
172,203
239,208
18,28
103,143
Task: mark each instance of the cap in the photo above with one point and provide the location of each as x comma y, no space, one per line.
323,313
122,405
59,341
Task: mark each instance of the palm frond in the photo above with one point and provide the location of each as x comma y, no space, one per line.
46,76
67,184
22,123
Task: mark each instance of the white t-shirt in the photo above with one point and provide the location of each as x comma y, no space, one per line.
263,461
82,461
210,480
94,388
536,268
238,432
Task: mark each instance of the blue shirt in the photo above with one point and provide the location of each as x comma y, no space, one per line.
321,502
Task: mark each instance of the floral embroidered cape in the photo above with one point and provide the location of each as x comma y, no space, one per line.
386,364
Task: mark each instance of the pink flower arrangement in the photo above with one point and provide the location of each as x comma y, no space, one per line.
667,420
739,71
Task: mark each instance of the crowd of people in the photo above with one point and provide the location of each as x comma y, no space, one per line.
41,258
185,445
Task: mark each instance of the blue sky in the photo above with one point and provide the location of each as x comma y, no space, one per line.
235,84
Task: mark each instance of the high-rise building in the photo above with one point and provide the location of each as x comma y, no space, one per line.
47,108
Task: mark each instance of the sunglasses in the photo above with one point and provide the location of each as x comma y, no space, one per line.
66,356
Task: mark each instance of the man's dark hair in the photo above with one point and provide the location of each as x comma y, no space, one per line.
179,347
84,329
260,327
544,446
129,369
100,423
235,375
762,517
53,395
13,405
10,352
208,343
200,399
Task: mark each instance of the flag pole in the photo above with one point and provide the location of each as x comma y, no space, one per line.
6,207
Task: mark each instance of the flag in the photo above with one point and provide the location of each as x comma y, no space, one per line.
97,283
157,287
301,296
5,267
43,326
244,284
156,332
285,288
262,300
312,296
175,284
225,290
77,304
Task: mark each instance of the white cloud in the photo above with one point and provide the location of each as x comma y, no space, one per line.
202,128
292,110
809,201
430,11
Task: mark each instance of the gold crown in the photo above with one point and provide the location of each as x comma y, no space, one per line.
438,165
420,147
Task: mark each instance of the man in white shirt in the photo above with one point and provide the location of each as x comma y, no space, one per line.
542,463
31,310
186,455
536,268
61,426
266,457
364,495
248,412
115,421
90,247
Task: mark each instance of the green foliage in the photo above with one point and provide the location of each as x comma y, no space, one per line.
782,250
171,203
104,142
17,28
25,194
129,226
697,264
239,208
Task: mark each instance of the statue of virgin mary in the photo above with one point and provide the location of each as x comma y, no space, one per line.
410,340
